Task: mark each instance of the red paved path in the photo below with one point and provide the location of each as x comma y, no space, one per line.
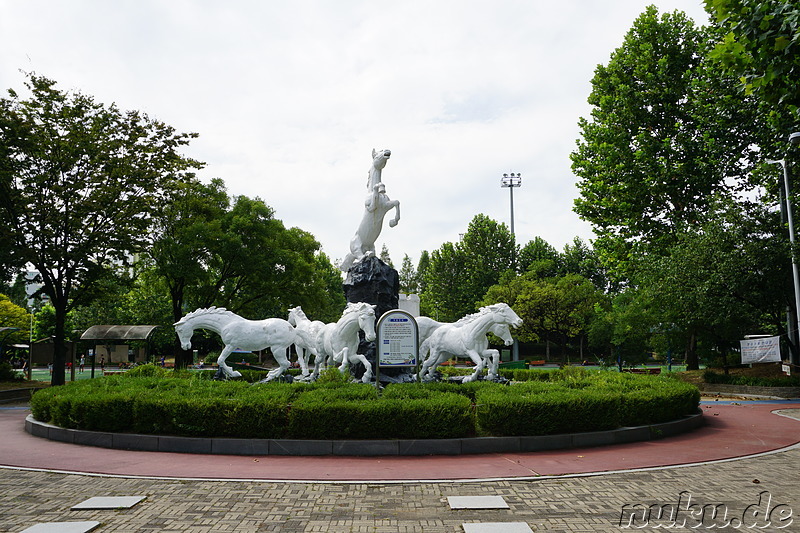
730,431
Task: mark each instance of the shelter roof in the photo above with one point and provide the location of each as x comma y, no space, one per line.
121,333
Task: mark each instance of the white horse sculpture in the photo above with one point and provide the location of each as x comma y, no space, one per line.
237,332
339,341
466,337
428,325
300,321
376,206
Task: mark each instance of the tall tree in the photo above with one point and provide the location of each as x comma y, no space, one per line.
422,269
78,183
667,131
460,274
408,277
538,252
385,256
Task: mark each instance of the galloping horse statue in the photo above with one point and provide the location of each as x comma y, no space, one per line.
300,321
376,205
427,326
466,337
339,341
237,332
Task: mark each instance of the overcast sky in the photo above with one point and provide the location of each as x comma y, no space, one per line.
290,98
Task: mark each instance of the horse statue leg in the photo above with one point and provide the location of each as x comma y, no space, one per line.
492,357
303,355
343,356
478,360
228,371
279,353
367,377
396,219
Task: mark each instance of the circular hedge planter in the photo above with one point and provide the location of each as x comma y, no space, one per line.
554,405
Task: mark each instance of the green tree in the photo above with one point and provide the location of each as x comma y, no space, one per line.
78,183
408,277
13,316
557,308
580,258
722,280
460,274
542,256
385,256
422,269
667,131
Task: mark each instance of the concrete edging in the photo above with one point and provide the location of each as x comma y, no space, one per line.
400,447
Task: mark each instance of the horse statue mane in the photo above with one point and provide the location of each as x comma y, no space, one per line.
483,311
353,307
207,311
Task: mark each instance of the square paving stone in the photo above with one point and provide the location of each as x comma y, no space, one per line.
498,527
109,502
477,502
63,527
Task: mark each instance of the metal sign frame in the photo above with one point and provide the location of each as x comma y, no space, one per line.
392,331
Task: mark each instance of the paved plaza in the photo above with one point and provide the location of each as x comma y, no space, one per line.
761,490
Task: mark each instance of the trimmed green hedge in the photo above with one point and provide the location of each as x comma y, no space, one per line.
551,402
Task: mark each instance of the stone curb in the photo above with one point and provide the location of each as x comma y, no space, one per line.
400,447
17,395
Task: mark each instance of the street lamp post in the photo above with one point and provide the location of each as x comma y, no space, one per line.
511,181
794,139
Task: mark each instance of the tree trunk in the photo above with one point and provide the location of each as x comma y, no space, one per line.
182,357
692,362
59,346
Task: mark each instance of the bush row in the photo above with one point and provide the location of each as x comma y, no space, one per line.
752,381
195,406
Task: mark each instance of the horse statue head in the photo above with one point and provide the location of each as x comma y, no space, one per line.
366,318
504,314
295,314
379,159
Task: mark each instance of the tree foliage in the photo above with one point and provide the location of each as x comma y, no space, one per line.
79,181
13,316
460,274
667,129
760,44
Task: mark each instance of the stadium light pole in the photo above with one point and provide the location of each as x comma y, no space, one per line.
511,181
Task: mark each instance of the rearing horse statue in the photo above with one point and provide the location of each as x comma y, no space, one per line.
376,205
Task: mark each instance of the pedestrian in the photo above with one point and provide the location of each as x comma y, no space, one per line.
163,362
50,368
82,363
102,363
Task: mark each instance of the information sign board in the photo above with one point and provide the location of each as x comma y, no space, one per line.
397,342
761,350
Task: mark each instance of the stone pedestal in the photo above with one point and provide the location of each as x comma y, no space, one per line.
374,282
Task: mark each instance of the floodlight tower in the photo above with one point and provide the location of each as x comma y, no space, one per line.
511,181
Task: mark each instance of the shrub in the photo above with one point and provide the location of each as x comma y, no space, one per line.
752,381
194,406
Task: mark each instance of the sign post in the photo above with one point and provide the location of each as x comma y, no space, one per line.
397,342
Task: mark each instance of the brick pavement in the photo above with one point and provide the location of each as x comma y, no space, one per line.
567,504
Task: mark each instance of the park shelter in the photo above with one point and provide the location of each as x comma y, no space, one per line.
113,341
